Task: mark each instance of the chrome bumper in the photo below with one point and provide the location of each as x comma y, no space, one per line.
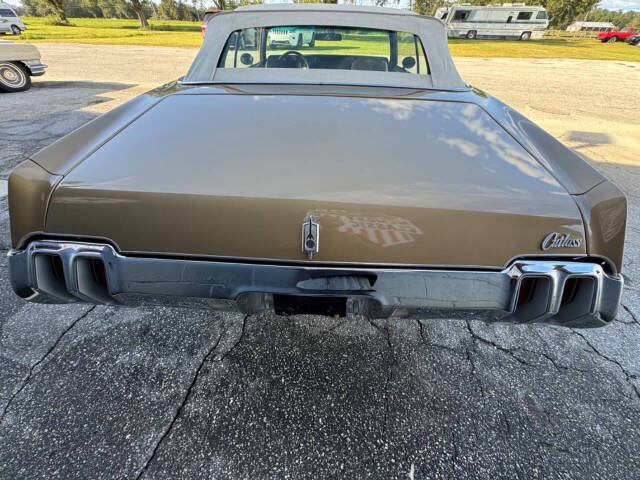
37,69
571,293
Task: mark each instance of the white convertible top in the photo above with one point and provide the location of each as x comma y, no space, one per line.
443,74
321,7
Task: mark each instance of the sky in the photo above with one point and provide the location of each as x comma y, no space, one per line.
621,4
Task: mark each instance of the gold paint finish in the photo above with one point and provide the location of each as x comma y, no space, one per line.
605,214
62,155
29,190
393,181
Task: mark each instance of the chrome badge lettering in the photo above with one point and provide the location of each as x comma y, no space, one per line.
559,240
310,237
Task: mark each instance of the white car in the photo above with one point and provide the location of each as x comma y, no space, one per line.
291,37
10,21
18,63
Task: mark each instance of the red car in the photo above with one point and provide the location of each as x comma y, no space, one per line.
205,19
620,35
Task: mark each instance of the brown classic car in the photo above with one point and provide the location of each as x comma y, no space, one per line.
360,175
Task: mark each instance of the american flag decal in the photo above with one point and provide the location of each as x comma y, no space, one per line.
383,230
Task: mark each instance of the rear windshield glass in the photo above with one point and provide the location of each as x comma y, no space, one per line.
321,47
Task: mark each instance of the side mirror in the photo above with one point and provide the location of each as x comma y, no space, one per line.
408,62
246,59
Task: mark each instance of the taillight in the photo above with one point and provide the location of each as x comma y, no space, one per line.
204,26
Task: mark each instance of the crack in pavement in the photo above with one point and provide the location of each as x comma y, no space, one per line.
338,324
436,345
240,338
554,361
27,379
456,450
628,376
387,333
633,315
511,352
476,337
187,395
472,363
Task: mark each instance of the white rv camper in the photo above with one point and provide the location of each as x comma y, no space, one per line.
509,20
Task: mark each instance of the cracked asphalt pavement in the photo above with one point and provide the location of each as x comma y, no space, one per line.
104,392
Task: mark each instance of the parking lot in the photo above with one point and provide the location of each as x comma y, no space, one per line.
102,392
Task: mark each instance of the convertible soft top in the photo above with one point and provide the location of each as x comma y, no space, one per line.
442,76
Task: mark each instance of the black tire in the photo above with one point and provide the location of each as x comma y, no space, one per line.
312,43
525,36
299,44
613,40
471,34
16,30
14,77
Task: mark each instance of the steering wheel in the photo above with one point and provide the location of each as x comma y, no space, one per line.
302,62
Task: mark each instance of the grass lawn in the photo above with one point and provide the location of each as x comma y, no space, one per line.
173,33
581,48
168,33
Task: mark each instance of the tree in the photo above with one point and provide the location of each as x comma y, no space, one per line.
222,4
169,9
195,7
619,19
425,7
58,12
34,8
563,12
138,7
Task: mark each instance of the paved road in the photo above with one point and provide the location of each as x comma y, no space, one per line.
100,392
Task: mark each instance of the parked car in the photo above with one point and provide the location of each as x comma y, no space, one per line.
18,63
387,187
614,36
633,40
205,19
10,21
291,37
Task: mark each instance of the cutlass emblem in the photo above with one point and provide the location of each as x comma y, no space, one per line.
310,237
559,240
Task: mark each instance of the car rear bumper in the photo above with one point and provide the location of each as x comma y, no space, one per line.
570,293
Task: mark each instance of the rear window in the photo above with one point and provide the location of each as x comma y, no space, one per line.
321,47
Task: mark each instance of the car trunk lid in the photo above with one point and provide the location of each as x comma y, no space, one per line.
390,181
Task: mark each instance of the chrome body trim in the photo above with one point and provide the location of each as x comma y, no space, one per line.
36,69
62,272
